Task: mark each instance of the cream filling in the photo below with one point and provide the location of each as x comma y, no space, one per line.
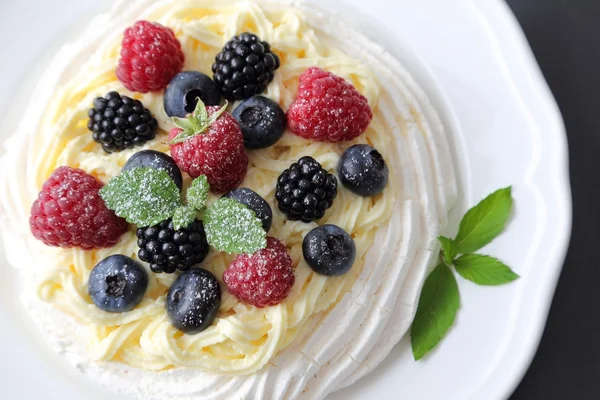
330,331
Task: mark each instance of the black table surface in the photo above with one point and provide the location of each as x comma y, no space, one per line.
565,37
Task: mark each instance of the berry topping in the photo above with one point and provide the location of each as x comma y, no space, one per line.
185,89
117,283
264,278
363,170
150,57
168,250
70,213
305,190
119,122
329,250
244,67
193,301
157,160
210,142
253,201
262,121
328,108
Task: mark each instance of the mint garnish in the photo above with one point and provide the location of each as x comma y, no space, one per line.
437,309
439,300
197,194
233,228
143,196
484,270
483,223
183,217
196,123
146,196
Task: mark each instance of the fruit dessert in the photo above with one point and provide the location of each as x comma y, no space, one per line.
225,200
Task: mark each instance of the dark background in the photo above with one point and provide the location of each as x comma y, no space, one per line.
565,37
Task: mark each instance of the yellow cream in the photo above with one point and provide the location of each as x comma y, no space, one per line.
243,339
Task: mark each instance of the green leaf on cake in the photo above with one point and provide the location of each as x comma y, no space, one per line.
482,223
436,311
183,217
197,194
232,227
484,270
143,196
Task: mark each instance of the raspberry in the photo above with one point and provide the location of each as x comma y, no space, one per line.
328,108
217,152
69,212
264,278
150,57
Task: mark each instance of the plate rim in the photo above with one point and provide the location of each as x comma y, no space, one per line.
508,32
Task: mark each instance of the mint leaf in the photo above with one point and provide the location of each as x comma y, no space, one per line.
183,217
197,194
143,196
437,309
448,249
482,223
484,270
233,228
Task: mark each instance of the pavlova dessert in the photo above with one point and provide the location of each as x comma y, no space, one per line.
225,199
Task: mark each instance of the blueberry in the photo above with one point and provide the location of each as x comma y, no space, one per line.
363,170
262,121
185,88
117,283
193,301
155,159
329,250
254,202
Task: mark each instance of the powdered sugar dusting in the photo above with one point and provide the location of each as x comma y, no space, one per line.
143,196
264,278
233,228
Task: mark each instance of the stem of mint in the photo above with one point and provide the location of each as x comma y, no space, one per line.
439,300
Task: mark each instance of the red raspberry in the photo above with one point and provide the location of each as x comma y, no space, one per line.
264,278
328,108
218,153
69,212
150,57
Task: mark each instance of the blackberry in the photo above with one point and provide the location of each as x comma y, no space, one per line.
244,67
305,190
168,250
120,122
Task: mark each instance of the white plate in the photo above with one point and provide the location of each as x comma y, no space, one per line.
472,59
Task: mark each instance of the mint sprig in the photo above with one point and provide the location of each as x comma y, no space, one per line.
143,196
440,298
232,227
146,196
